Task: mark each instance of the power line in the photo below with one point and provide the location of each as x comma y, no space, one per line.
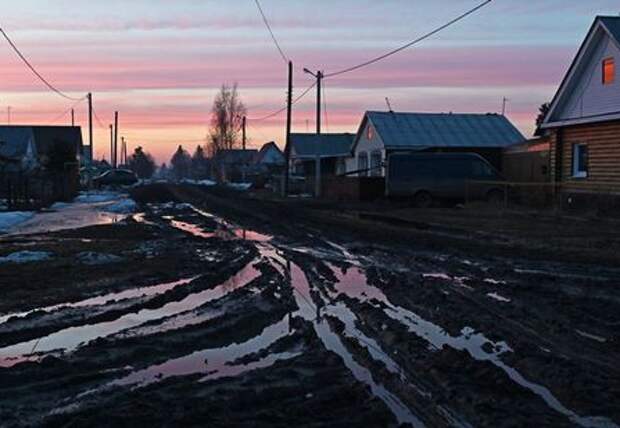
273,37
282,110
36,73
101,125
410,44
66,112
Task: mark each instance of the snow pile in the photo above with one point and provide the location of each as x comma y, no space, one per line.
93,259
240,186
206,183
11,219
26,257
96,197
126,206
59,206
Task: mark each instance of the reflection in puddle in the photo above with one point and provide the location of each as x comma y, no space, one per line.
70,338
108,298
473,343
214,363
498,297
333,343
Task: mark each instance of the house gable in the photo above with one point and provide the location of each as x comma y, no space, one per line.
582,96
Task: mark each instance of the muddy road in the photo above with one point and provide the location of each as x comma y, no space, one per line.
210,310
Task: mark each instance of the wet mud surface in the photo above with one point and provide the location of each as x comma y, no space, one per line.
210,314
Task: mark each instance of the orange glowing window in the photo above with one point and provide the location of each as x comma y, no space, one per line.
370,133
609,71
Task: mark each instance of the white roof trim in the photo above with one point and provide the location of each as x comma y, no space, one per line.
585,47
581,121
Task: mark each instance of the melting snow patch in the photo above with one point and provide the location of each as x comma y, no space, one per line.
494,281
26,257
93,259
206,183
126,206
96,197
240,186
499,298
591,336
11,219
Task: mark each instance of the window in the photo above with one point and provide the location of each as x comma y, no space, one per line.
580,161
609,71
370,133
376,160
362,164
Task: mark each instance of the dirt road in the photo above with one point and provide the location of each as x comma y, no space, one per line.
212,309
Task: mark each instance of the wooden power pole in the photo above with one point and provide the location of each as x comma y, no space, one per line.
115,139
243,125
112,145
90,124
289,117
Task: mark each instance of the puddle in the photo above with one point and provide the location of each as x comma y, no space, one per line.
333,343
214,363
469,341
498,297
591,336
69,339
107,298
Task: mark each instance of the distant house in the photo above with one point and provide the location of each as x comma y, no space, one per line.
331,149
234,165
40,159
583,123
270,157
382,133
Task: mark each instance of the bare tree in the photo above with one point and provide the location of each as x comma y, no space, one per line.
226,120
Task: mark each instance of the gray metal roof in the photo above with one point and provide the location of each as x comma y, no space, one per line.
444,130
612,23
323,145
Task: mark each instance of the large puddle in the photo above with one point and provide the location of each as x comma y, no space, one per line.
69,339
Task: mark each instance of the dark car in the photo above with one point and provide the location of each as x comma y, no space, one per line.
427,177
116,177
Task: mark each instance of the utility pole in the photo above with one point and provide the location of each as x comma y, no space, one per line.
112,145
115,139
90,123
8,115
289,117
243,124
72,118
319,79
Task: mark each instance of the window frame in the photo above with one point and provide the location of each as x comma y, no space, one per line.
580,171
612,78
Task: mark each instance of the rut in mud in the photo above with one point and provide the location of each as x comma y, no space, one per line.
301,331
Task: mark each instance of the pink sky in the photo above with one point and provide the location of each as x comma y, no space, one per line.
160,63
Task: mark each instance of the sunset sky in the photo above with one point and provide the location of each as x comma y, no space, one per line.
160,62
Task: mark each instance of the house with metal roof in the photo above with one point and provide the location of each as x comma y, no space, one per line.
382,133
583,122
331,149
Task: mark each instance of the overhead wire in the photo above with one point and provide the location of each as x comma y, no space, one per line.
273,37
60,116
34,70
410,44
283,109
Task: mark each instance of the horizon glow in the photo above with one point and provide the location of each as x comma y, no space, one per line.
160,65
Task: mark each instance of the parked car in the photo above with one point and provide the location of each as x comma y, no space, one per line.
116,177
427,177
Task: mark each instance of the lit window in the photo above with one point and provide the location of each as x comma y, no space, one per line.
609,71
580,160
370,133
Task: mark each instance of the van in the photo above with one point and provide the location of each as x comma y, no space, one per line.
428,177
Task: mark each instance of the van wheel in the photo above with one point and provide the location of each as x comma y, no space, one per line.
495,197
423,200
